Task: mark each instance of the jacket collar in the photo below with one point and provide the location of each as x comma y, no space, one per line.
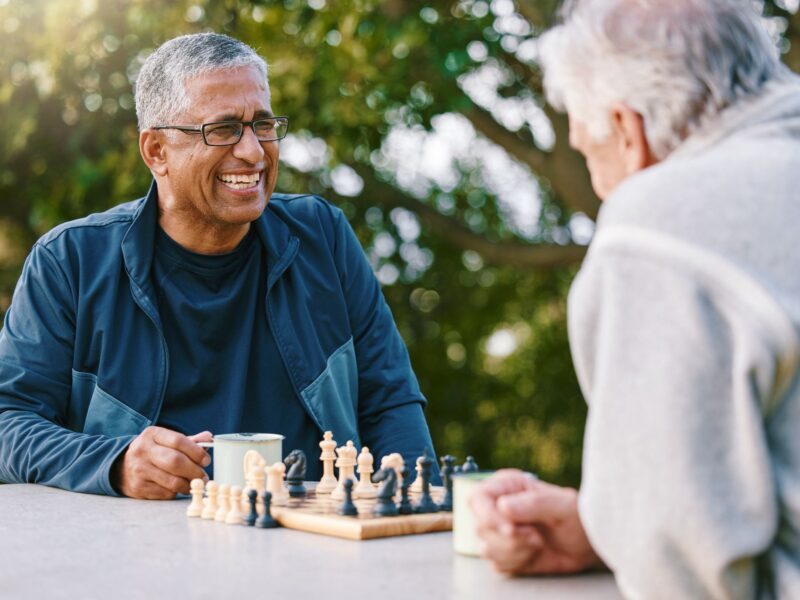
280,245
139,242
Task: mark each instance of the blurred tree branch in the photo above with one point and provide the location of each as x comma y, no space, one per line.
533,257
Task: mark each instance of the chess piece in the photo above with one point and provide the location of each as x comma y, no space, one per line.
365,487
210,510
296,475
426,503
234,516
416,487
195,509
469,466
395,460
448,463
259,480
275,474
222,511
328,482
253,463
347,508
266,521
346,462
405,507
385,506
252,497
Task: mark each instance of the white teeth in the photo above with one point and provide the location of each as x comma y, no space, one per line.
239,182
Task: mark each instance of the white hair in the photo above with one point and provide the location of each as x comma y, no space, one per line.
678,63
160,89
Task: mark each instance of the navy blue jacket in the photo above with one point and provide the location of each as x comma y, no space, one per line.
84,363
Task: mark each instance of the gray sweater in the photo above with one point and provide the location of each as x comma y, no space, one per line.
685,329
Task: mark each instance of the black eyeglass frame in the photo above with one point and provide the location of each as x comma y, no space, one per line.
201,129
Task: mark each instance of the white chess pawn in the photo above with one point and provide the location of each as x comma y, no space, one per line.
346,463
365,487
328,482
222,496
234,516
275,474
196,507
417,485
210,511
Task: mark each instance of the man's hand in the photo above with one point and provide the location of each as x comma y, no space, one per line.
531,527
160,463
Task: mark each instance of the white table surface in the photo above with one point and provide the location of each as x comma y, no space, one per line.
56,544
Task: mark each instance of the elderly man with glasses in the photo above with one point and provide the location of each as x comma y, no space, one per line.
212,304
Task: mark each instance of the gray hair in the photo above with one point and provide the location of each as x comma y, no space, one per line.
678,63
160,89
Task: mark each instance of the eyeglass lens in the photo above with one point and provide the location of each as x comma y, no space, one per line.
223,134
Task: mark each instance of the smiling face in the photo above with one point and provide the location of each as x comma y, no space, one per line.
209,195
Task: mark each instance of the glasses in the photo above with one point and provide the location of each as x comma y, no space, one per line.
228,133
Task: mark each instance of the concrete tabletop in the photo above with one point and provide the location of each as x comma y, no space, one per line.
56,544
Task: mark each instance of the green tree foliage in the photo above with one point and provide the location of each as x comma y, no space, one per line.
478,297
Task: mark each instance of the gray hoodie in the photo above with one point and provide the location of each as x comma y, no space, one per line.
685,329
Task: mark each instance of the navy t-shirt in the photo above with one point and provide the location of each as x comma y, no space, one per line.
226,374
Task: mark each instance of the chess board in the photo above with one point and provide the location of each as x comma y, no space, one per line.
317,514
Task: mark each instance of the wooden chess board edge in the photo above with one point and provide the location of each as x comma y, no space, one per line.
363,529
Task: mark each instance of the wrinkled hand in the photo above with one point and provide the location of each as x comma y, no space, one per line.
530,527
160,463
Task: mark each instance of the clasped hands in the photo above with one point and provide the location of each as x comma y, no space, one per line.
529,527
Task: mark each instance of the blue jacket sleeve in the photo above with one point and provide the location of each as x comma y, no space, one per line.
390,403
36,352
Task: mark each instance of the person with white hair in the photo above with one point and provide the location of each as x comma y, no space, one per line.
684,319
212,304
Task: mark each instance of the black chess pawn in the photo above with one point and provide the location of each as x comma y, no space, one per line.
426,503
252,497
266,521
405,507
447,475
385,506
469,466
348,508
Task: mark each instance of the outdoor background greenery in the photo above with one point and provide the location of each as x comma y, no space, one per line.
423,121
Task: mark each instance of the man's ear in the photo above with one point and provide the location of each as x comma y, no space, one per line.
153,151
630,130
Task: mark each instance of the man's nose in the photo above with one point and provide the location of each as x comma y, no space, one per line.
248,147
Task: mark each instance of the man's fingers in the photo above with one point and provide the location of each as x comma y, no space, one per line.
510,554
175,463
173,483
149,490
544,504
484,499
203,436
181,443
507,481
